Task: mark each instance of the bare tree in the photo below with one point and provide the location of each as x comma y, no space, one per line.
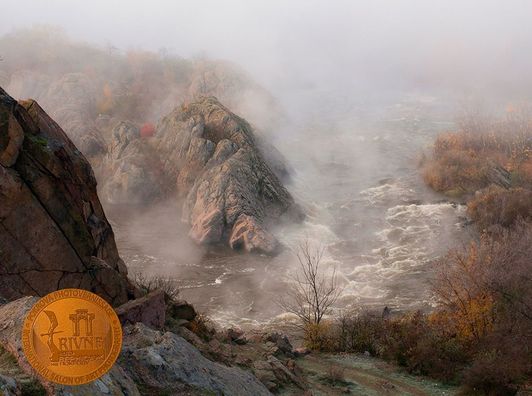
312,293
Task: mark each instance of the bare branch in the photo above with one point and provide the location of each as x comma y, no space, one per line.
312,294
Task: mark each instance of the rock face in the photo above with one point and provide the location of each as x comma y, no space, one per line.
53,231
212,160
163,362
131,171
149,309
231,193
151,362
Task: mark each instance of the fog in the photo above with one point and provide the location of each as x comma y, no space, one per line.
469,47
362,86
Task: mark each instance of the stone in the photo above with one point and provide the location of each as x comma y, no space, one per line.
180,309
9,386
15,135
300,352
53,230
272,371
247,234
283,374
149,310
71,99
154,361
169,363
280,342
236,335
231,193
12,317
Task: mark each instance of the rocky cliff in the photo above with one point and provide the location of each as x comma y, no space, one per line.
53,231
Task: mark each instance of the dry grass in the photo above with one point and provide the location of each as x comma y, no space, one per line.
202,326
335,375
151,283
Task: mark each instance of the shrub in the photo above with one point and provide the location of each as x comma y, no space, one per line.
487,294
358,332
318,336
413,340
479,154
202,326
336,375
496,206
493,373
148,284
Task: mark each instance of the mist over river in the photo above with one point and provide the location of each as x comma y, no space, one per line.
355,173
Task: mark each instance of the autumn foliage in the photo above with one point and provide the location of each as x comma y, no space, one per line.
497,206
480,333
479,336
482,153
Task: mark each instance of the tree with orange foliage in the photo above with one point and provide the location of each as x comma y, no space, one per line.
464,293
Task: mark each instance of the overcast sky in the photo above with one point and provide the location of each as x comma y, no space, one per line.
310,42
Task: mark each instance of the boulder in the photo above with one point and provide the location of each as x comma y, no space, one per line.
236,335
165,362
231,193
149,310
152,361
9,386
11,321
247,234
53,231
280,344
300,352
12,316
180,309
273,373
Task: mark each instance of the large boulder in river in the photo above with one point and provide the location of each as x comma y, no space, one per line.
53,231
231,193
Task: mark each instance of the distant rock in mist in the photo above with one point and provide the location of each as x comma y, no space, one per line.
53,231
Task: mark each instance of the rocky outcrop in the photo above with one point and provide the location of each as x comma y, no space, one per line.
53,231
210,158
12,316
151,362
180,309
149,309
72,102
231,193
164,362
131,171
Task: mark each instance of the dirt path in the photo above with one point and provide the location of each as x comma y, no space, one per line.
362,375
